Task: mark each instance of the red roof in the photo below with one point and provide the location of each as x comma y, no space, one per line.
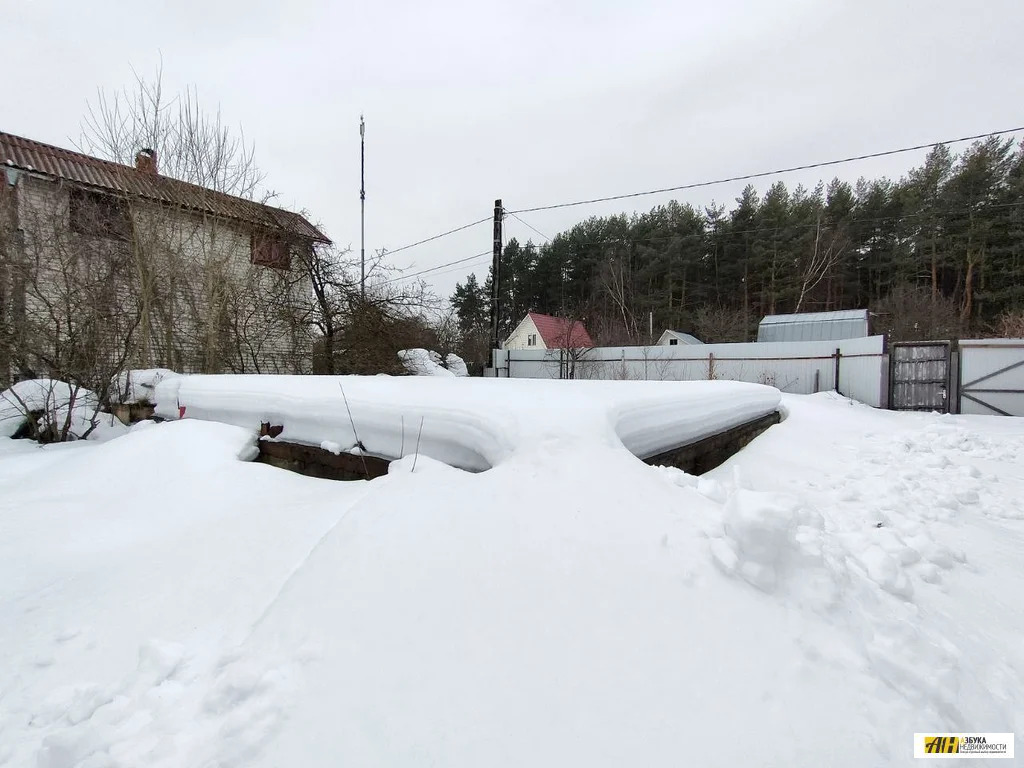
49,160
557,330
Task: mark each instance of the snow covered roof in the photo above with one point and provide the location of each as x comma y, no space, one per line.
470,423
680,337
557,330
814,326
34,156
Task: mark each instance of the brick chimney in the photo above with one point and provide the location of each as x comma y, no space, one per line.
145,161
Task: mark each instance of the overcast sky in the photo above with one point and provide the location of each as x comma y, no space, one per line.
532,102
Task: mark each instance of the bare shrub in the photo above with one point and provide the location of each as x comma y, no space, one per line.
718,325
1011,325
912,313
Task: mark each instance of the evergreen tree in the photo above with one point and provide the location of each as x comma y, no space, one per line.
951,230
471,304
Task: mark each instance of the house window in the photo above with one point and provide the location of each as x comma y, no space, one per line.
673,342
268,251
99,215
531,340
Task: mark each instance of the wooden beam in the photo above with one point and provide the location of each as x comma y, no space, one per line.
316,462
707,453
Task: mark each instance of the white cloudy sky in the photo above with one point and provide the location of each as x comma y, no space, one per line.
532,102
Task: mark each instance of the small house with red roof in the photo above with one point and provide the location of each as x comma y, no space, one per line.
537,331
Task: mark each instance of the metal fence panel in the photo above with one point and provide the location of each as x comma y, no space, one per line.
796,367
992,376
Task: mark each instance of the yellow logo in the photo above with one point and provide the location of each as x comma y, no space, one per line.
934,745
963,745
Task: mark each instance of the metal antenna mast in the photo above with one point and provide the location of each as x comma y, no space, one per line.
362,208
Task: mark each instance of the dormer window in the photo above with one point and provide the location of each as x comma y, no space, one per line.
99,215
267,251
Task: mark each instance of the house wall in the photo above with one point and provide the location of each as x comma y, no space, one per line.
180,291
520,336
9,249
666,340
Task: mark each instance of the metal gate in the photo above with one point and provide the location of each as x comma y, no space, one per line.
919,376
992,376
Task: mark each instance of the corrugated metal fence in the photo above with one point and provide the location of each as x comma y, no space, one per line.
991,379
972,376
797,367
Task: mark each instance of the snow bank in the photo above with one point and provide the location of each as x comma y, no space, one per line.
137,386
58,404
850,577
421,362
456,364
129,571
890,526
468,422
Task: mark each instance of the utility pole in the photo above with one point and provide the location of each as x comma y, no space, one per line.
362,208
496,282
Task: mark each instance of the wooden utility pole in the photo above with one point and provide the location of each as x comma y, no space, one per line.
496,281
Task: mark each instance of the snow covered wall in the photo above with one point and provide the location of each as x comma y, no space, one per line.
468,423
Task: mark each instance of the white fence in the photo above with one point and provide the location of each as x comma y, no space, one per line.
992,376
801,367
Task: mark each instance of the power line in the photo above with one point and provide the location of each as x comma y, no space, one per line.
529,225
762,174
436,237
695,185
706,233
469,265
439,266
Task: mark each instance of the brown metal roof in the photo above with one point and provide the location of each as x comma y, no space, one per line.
61,163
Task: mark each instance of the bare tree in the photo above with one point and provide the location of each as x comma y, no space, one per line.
353,332
617,281
717,324
829,245
189,142
163,284
70,315
574,358
204,306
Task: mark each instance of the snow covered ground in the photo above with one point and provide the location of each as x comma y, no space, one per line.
851,577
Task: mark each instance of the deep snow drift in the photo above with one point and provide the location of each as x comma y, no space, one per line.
164,604
469,423
128,571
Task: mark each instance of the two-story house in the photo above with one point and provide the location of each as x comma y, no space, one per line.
104,265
